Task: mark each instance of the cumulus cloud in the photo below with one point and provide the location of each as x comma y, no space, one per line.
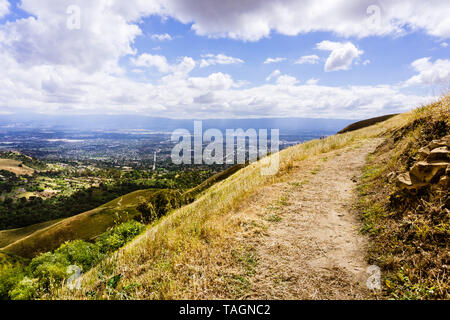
255,19
286,80
342,54
312,82
56,89
215,81
161,37
274,60
430,73
4,8
183,67
273,75
107,31
149,60
211,59
46,67
313,59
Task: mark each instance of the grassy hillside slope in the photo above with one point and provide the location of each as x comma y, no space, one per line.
29,241
86,226
410,229
15,167
366,123
10,236
179,256
7,260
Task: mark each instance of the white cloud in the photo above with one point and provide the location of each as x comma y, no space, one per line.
444,44
342,54
215,81
106,34
149,60
430,73
366,62
57,89
4,8
273,75
313,59
286,80
46,68
145,60
255,19
162,37
274,60
312,82
211,59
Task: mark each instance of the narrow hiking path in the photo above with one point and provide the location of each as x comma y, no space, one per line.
311,247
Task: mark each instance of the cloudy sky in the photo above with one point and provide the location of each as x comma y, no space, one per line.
223,58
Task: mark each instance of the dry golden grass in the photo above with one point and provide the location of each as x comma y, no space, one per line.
13,166
10,236
182,256
416,227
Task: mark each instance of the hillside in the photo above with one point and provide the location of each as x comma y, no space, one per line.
15,167
293,235
10,236
366,123
30,241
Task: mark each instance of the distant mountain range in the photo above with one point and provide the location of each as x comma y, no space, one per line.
129,122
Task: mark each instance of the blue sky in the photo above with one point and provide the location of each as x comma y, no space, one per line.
206,59
390,58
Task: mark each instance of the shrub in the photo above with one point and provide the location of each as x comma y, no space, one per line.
119,236
25,290
9,277
148,213
82,254
166,200
50,268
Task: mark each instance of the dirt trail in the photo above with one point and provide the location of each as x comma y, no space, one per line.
311,247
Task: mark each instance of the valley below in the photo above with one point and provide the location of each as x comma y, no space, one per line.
317,229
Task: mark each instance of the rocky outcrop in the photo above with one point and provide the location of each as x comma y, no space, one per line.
432,167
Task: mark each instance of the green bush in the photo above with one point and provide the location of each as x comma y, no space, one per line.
166,200
79,253
50,268
119,236
9,277
26,289
148,213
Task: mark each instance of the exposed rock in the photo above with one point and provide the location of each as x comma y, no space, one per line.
404,180
445,181
437,144
447,140
433,168
428,172
424,153
440,153
391,176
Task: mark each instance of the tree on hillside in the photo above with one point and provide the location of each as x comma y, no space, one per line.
148,213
